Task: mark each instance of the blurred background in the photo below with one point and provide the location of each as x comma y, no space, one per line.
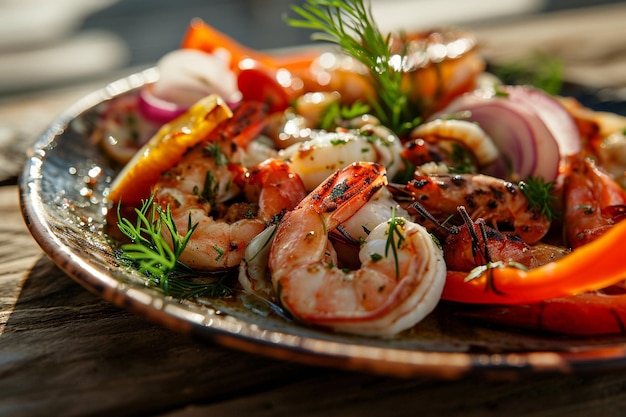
45,43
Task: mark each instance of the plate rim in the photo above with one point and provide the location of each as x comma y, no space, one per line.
239,334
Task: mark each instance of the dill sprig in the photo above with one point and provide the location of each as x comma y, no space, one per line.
350,25
151,255
395,223
540,196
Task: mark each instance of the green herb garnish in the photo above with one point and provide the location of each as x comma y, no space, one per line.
395,223
350,24
151,255
462,160
539,195
214,150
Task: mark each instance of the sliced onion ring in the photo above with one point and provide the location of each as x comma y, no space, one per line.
554,115
155,109
518,132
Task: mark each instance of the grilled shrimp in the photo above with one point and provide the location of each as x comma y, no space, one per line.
199,186
402,270
604,136
223,233
254,276
594,202
500,203
475,243
316,159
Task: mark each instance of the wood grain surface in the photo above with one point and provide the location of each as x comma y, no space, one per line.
66,352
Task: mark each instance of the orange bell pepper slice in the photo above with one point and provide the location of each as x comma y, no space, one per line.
203,37
591,267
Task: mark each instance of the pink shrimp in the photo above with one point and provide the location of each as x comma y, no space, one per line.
500,203
594,202
400,278
230,203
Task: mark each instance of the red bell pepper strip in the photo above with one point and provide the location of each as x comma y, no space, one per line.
591,267
587,314
260,85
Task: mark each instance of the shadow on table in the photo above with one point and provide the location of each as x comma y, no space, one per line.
67,350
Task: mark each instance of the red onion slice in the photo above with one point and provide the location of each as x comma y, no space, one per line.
155,109
517,131
553,114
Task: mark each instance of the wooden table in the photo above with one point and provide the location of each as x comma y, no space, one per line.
63,351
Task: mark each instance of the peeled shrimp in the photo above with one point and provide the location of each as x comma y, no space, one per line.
402,271
223,233
594,202
253,274
316,159
230,203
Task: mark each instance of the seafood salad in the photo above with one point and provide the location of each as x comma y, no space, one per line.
359,185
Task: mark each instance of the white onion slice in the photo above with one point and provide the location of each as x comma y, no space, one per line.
187,75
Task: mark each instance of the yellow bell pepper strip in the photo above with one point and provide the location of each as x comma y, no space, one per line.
591,267
166,148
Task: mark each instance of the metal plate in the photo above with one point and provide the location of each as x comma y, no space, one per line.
65,211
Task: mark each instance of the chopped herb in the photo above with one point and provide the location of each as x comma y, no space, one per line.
210,189
370,137
338,141
481,269
376,257
338,190
249,214
539,195
215,151
335,113
500,92
462,160
405,175
220,252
